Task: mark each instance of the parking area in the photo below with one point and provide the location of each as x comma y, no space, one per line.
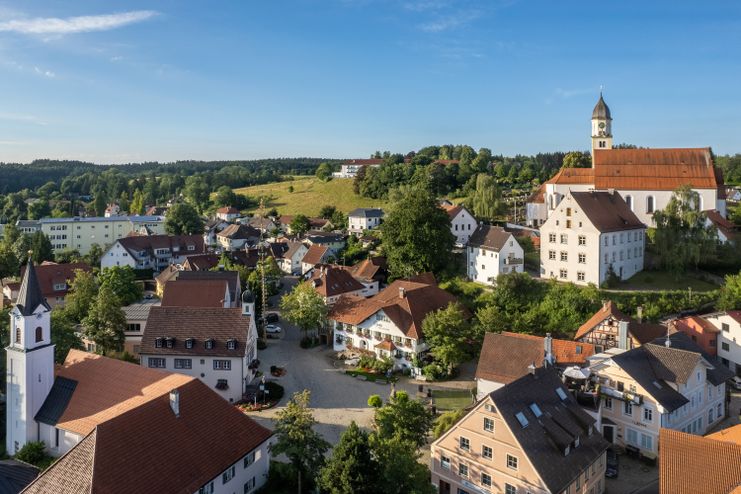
633,476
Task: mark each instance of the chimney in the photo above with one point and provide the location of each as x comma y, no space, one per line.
548,347
175,402
639,313
623,335
605,303
668,342
402,292
531,369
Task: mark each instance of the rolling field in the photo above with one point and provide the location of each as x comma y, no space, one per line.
309,195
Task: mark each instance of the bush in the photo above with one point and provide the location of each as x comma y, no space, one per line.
434,372
366,362
446,421
34,453
375,401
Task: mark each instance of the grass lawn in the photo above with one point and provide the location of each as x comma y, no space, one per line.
309,195
369,376
451,399
661,280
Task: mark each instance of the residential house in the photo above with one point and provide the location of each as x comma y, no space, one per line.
216,345
331,282
645,178
136,321
350,168
335,242
28,226
79,233
265,225
733,194
104,418
211,229
590,237
535,209
610,328
156,211
728,338
530,436
168,274
235,237
669,383
690,464
314,223
154,252
201,262
198,293
726,230
112,210
317,254
289,256
10,291
362,219
54,280
506,357
388,324
700,330
231,277
492,251
462,223
371,273
227,214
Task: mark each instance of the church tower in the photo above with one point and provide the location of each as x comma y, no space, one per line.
30,362
601,126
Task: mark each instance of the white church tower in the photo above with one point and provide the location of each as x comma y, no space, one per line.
601,126
30,362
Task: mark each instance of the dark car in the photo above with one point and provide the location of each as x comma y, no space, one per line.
611,471
271,317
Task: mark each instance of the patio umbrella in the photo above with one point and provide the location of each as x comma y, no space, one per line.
576,373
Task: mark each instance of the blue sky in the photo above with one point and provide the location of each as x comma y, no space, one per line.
115,81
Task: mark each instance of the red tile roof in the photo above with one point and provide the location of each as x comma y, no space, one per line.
330,281
538,197
387,345
731,434
573,176
642,332
369,269
452,209
239,232
50,274
315,255
228,210
201,262
690,464
727,228
195,293
178,245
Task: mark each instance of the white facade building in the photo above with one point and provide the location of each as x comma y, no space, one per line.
587,235
492,251
462,223
728,338
154,252
362,219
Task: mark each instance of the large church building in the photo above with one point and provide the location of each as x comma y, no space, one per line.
644,178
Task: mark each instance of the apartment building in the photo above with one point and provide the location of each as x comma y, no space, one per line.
728,338
529,436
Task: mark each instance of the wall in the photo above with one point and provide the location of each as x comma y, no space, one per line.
462,227
243,474
731,339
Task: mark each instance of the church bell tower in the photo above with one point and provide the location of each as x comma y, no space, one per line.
601,127
29,362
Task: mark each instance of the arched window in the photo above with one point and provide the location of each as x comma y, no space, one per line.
629,202
650,204
39,334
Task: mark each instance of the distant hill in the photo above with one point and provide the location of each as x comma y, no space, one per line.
309,195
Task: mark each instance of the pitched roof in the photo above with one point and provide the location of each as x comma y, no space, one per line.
406,302
201,262
165,450
239,232
286,250
366,213
231,277
286,219
642,332
138,311
387,345
717,373
15,475
315,254
195,293
330,281
607,211
489,237
573,176
178,245
228,210
373,268
316,237
731,434
692,322
453,210
261,222
690,464
167,274
726,227
546,437
506,356
200,324
30,295
51,275
538,197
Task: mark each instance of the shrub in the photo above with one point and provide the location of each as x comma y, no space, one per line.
375,401
433,372
446,421
367,362
34,453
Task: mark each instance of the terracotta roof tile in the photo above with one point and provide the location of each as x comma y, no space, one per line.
239,232
731,435
228,210
195,293
179,245
642,332
315,254
201,262
538,197
689,464
369,269
573,176
330,281
50,274
387,345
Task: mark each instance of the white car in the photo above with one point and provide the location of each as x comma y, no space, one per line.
273,329
735,383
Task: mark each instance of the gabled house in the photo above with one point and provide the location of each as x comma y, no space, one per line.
289,256
335,242
331,282
265,225
700,330
726,229
317,254
506,357
668,383
198,293
526,437
235,237
211,229
54,280
388,324
462,223
610,328
227,213
216,345
231,277
314,223
492,251
728,338
154,252
361,219
136,321
371,273
201,262
168,274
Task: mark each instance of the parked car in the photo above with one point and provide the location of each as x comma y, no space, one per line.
271,317
273,329
735,383
611,472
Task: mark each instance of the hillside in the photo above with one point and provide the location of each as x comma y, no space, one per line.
309,195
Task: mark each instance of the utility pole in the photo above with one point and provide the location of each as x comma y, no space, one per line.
263,290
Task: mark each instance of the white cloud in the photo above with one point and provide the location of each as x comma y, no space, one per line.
425,5
452,21
70,25
17,117
45,73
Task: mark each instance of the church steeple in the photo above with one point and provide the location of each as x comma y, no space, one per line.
601,126
29,295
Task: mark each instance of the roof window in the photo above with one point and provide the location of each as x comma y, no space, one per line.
189,343
231,344
535,409
561,394
158,342
522,419
209,344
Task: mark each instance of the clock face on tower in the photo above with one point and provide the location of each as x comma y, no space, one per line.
602,125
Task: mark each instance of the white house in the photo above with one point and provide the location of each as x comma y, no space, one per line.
317,254
663,384
388,324
492,251
290,256
645,178
216,345
332,282
105,418
587,235
335,242
154,252
361,219
136,321
227,213
462,223
350,168
728,338
236,237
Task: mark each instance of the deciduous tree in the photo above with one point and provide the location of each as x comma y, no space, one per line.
403,418
63,334
82,293
182,218
351,469
106,322
304,307
449,335
300,224
730,293
122,282
486,200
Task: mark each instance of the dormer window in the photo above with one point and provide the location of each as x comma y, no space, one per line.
170,342
189,343
209,344
231,344
158,342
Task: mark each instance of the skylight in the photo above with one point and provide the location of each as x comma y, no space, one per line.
535,409
521,419
657,384
560,393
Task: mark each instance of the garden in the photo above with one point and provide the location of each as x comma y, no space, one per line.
262,399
